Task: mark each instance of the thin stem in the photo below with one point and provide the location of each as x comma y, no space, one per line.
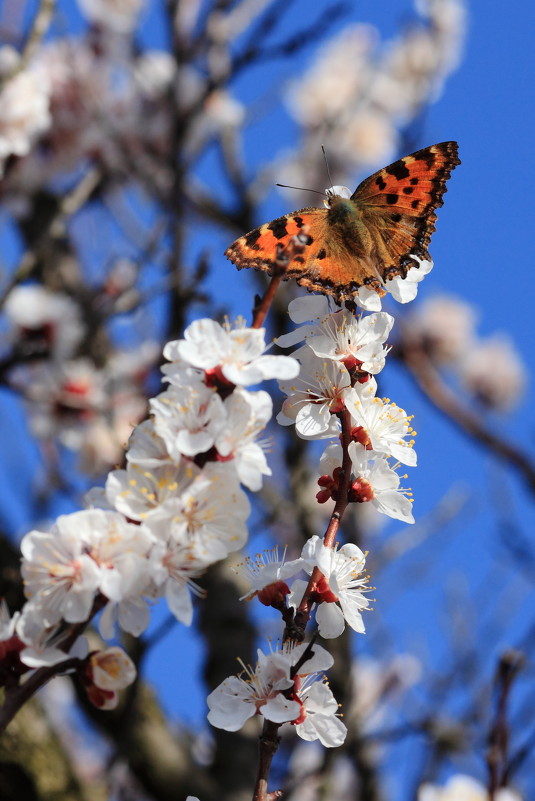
303,612
267,748
498,753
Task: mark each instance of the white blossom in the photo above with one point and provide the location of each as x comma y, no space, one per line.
464,788
24,112
374,480
405,289
118,15
246,416
443,326
267,574
338,334
8,622
384,425
146,448
138,491
174,566
58,572
493,372
319,715
42,642
210,513
32,308
237,699
315,396
236,354
341,589
188,419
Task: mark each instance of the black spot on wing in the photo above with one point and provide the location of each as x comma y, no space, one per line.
398,170
408,190
392,199
426,155
395,218
298,221
321,254
278,228
251,239
380,183
415,204
414,181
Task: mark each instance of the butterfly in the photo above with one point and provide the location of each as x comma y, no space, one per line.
363,240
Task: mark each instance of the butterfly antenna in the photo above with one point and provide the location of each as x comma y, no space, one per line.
327,165
301,189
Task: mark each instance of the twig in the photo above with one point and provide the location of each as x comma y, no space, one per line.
35,35
509,665
68,206
16,697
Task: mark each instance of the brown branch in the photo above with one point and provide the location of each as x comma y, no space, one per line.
267,748
508,668
16,697
67,206
431,384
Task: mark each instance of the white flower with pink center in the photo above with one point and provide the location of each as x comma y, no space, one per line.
229,355
374,481
340,591
267,575
315,396
319,718
337,334
266,690
380,425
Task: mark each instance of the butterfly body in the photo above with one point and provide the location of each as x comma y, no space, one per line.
377,234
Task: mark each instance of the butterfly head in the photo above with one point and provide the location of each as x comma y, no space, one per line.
336,191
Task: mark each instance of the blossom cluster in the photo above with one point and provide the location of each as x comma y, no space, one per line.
91,97
175,509
339,359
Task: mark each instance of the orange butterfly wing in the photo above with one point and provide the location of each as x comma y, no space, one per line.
397,205
362,241
326,264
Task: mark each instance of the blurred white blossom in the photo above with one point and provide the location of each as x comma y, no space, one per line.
464,788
